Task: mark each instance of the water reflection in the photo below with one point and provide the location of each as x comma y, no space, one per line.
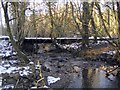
87,76
94,78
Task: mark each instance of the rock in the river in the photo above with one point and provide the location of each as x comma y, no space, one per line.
76,69
46,66
59,65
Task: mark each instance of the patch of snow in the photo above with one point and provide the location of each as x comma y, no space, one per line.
98,37
37,66
8,87
34,87
45,86
71,46
39,87
9,69
110,52
8,53
24,72
92,37
13,61
51,79
31,63
100,42
4,37
14,53
111,77
2,69
8,62
6,65
26,68
6,48
2,62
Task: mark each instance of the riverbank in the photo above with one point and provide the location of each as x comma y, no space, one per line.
62,69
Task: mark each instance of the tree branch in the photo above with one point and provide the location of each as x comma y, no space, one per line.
11,19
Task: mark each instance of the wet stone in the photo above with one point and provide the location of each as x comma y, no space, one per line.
76,69
46,67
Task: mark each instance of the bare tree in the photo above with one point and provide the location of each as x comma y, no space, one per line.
20,54
18,12
113,43
84,18
85,22
93,23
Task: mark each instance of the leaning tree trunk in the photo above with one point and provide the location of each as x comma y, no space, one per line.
20,54
93,23
113,43
18,12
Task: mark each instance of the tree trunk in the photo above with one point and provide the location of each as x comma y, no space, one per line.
51,19
85,22
20,54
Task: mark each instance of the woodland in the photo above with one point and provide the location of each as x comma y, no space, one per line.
91,60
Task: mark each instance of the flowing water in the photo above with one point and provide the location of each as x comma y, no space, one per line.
94,78
92,74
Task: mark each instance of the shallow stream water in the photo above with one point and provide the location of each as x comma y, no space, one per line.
94,78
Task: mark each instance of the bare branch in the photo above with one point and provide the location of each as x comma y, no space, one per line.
11,19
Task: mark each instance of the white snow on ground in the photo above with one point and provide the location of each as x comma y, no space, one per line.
3,37
102,42
5,67
92,37
9,69
24,72
39,87
6,49
31,63
51,79
76,46
11,86
70,46
110,52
